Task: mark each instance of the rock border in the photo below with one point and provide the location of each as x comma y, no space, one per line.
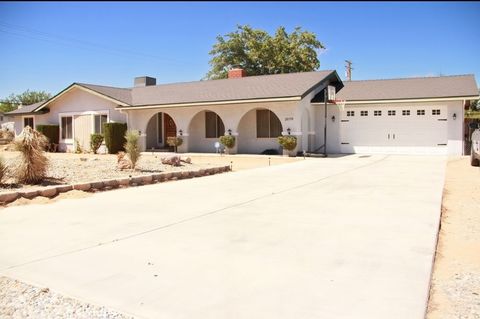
108,184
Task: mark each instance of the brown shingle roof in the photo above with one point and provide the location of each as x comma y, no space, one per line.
25,109
409,88
252,87
120,94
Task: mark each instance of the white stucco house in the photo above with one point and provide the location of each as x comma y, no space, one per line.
399,116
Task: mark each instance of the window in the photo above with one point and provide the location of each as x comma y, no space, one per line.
67,128
1,118
363,113
391,113
406,112
435,112
214,127
350,113
377,113
28,121
268,124
99,120
420,112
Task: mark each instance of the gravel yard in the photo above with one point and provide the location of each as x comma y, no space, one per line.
455,290
19,300
73,168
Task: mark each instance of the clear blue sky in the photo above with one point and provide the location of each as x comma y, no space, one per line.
47,46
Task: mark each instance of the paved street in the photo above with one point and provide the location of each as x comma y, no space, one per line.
345,237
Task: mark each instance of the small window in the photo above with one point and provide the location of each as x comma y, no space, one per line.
391,113
99,120
420,112
363,113
67,128
435,112
28,121
214,127
405,112
377,113
268,124
1,118
350,113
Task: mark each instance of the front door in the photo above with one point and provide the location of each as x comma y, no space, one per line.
169,127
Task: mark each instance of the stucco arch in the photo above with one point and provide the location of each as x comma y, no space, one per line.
198,141
248,142
159,126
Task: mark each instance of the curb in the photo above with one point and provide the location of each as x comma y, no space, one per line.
108,184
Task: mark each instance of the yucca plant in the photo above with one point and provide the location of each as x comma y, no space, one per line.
131,146
33,163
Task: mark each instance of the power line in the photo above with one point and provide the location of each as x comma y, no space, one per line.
68,41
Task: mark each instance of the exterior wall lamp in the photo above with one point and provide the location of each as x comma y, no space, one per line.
454,116
180,132
229,132
289,131
333,118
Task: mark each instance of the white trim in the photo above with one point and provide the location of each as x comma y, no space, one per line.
292,133
28,116
84,89
350,102
281,99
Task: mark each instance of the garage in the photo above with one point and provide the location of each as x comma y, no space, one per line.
391,129
422,115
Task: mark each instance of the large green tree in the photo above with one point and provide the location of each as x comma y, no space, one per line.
257,52
26,98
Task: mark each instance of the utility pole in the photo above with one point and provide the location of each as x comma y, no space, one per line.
348,70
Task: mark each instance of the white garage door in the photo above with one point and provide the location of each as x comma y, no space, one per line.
394,130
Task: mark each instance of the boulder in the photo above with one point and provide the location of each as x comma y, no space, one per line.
171,160
64,188
48,192
82,186
8,197
29,194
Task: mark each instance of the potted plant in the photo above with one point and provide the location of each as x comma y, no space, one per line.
288,143
228,141
174,141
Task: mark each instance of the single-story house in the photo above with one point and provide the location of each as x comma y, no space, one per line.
400,116
5,120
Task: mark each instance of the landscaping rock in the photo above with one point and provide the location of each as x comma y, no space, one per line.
147,179
97,185
168,175
82,186
136,180
8,197
48,192
171,160
123,181
29,194
64,188
112,183
158,177
188,160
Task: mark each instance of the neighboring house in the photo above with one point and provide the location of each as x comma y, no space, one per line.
408,116
6,122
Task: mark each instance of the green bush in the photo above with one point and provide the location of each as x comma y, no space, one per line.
52,132
114,136
288,142
174,141
95,142
227,140
131,146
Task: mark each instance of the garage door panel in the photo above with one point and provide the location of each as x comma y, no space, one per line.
395,134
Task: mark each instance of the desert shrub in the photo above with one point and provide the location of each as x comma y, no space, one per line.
78,147
174,141
131,146
7,134
114,135
288,142
227,140
52,132
33,163
96,141
3,169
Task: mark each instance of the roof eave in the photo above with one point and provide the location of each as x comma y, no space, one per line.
424,99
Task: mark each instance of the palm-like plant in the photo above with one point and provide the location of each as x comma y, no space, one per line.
33,163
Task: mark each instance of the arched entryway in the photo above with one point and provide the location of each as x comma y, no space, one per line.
204,130
159,128
258,131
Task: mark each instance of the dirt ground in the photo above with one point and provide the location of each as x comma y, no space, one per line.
455,290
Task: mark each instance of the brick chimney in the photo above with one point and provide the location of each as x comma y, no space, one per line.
236,73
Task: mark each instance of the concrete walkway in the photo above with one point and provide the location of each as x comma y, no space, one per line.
346,237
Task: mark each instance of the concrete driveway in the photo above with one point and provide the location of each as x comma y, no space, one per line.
346,237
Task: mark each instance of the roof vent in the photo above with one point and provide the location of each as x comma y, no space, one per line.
144,81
